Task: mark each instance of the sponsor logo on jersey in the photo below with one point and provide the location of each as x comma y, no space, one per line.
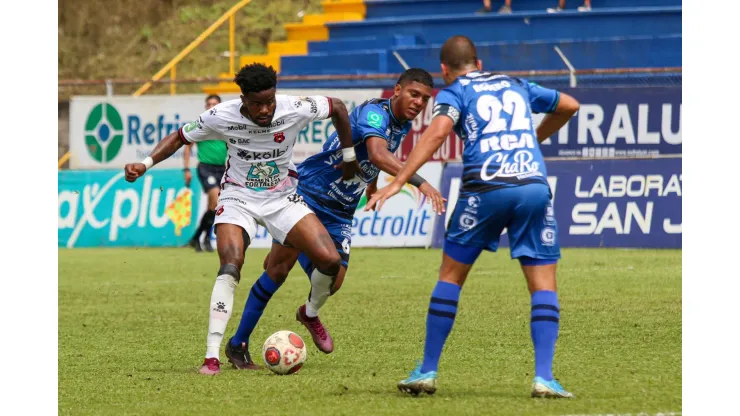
374,119
262,175
314,106
520,165
548,236
507,142
237,127
256,156
467,221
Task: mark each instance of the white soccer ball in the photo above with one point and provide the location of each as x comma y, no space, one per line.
284,352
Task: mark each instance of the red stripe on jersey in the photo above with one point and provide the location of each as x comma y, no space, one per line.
330,106
292,173
226,173
182,137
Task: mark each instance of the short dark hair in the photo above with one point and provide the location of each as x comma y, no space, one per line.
458,52
212,96
255,78
416,74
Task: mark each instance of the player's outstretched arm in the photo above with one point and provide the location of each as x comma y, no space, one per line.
340,119
164,149
380,156
567,106
186,165
431,140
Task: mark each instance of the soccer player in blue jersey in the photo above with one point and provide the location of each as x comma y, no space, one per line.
504,185
378,128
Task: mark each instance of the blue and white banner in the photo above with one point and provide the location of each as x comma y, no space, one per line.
603,203
620,122
101,209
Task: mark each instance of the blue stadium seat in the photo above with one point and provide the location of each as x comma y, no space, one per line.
407,8
432,29
615,34
633,52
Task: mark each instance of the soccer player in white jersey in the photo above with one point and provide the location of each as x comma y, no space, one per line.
259,186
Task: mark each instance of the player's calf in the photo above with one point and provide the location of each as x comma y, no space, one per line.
231,247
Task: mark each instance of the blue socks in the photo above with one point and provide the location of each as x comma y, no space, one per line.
441,316
261,292
544,326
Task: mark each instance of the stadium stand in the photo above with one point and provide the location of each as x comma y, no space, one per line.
363,38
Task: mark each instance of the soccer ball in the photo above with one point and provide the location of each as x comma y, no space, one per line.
284,352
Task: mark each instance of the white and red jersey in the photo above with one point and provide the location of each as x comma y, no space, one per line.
260,158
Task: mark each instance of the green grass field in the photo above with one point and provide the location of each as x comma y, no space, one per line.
132,329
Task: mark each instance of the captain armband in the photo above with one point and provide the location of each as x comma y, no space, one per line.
446,110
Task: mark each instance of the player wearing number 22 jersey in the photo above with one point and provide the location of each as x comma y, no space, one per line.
504,185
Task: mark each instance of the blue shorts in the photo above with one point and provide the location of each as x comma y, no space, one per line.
339,230
525,211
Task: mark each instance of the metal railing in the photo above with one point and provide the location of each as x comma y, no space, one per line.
111,83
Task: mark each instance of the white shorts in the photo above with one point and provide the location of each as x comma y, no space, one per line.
277,214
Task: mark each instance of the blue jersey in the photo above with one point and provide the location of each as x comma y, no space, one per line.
493,117
321,183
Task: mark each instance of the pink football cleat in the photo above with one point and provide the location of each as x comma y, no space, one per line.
320,335
211,366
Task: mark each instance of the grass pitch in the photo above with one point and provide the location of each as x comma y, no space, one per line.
133,323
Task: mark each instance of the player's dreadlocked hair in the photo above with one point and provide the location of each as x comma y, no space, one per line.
256,78
416,74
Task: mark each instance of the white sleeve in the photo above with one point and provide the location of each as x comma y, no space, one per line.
202,129
315,107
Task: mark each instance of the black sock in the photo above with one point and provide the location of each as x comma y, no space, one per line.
207,222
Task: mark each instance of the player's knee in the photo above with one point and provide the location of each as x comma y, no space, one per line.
232,254
330,264
278,273
230,269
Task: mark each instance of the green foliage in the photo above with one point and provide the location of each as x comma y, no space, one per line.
128,39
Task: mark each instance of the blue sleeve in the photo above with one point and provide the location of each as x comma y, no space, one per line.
372,121
449,102
541,99
451,96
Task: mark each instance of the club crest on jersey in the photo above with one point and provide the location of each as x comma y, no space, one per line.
279,137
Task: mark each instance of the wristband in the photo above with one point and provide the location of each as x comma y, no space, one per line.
417,180
348,154
148,162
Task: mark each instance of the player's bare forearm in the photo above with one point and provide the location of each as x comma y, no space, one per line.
567,106
431,140
386,161
340,119
381,157
186,157
166,148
